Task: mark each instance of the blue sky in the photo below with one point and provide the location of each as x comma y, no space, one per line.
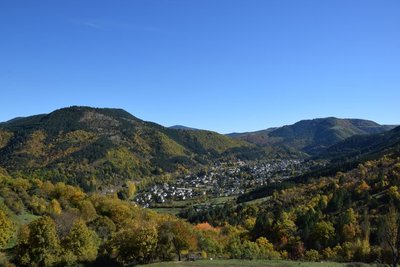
224,65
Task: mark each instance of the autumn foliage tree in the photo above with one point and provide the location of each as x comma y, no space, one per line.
6,229
82,242
176,235
39,244
390,234
134,246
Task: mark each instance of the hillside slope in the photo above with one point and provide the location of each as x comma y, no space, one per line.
84,145
363,146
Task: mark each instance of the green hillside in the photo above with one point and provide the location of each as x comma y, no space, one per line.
92,146
313,136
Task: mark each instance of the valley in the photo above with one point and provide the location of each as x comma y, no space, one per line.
110,188
225,179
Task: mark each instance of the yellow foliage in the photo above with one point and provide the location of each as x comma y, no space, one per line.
349,231
35,144
362,187
55,207
5,136
393,192
131,186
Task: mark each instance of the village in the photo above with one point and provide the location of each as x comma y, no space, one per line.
222,180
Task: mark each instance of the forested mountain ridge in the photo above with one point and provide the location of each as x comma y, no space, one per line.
357,149
364,145
79,145
312,136
341,157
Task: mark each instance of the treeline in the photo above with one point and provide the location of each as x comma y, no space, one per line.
351,216
54,224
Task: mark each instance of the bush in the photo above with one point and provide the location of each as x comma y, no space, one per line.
250,250
267,249
329,254
312,255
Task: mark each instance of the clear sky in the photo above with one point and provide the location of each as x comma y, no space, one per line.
223,65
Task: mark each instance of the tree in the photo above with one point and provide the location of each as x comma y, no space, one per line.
390,234
134,245
250,250
39,244
312,255
266,248
88,212
103,226
130,189
6,229
176,234
55,207
82,242
323,233
209,244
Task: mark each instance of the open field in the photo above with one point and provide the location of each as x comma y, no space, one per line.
255,263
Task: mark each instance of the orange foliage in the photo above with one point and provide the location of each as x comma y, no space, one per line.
205,227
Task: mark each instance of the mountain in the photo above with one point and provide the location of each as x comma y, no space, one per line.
181,127
341,157
91,146
364,146
312,136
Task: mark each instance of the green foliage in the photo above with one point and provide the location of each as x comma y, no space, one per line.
87,211
82,242
175,236
311,255
6,229
323,233
266,249
210,244
103,226
134,245
250,250
39,244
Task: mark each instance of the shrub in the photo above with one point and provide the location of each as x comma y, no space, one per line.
312,255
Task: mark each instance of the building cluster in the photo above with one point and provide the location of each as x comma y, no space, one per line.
223,179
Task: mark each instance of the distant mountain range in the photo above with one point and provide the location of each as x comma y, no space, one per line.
91,146
312,136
